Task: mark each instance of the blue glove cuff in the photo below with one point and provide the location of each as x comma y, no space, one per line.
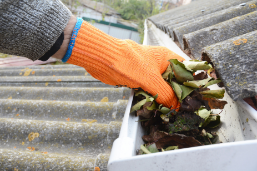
72,40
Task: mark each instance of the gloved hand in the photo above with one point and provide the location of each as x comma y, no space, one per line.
122,62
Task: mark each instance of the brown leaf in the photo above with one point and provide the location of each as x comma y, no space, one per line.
201,76
193,102
148,138
179,140
144,111
215,103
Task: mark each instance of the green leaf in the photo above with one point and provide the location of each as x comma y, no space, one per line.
195,65
138,105
168,71
203,113
177,89
145,150
185,91
209,135
152,148
154,106
181,90
212,121
155,97
164,110
212,82
180,72
171,148
218,94
142,93
197,84
165,118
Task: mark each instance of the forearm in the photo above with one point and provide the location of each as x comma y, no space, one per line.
67,36
31,28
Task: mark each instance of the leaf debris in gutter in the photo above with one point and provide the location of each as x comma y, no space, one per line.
193,124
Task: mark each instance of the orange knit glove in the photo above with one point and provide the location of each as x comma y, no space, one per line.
124,62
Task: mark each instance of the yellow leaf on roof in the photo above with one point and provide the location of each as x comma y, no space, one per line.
44,152
33,72
17,114
10,97
27,72
84,120
21,73
68,119
86,73
46,83
22,143
59,80
105,99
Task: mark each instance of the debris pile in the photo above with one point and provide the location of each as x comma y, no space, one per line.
194,122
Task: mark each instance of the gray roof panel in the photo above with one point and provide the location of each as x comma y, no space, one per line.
211,26
197,40
66,122
209,20
235,60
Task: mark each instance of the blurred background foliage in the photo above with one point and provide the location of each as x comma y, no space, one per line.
132,10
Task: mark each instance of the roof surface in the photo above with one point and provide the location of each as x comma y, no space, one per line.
57,118
222,32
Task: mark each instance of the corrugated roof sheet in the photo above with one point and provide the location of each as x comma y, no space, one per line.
57,118
222,32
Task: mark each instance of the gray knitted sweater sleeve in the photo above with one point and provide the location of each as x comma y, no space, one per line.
29,28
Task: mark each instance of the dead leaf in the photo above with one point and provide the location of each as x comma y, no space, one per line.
17,114
219,94
179,140
215,103
86,73
21,73
44,152
105,99
33,72
200,76
14,147
22,143
10,97
46,84
53,75
68,119
59,80
33,135
145,112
